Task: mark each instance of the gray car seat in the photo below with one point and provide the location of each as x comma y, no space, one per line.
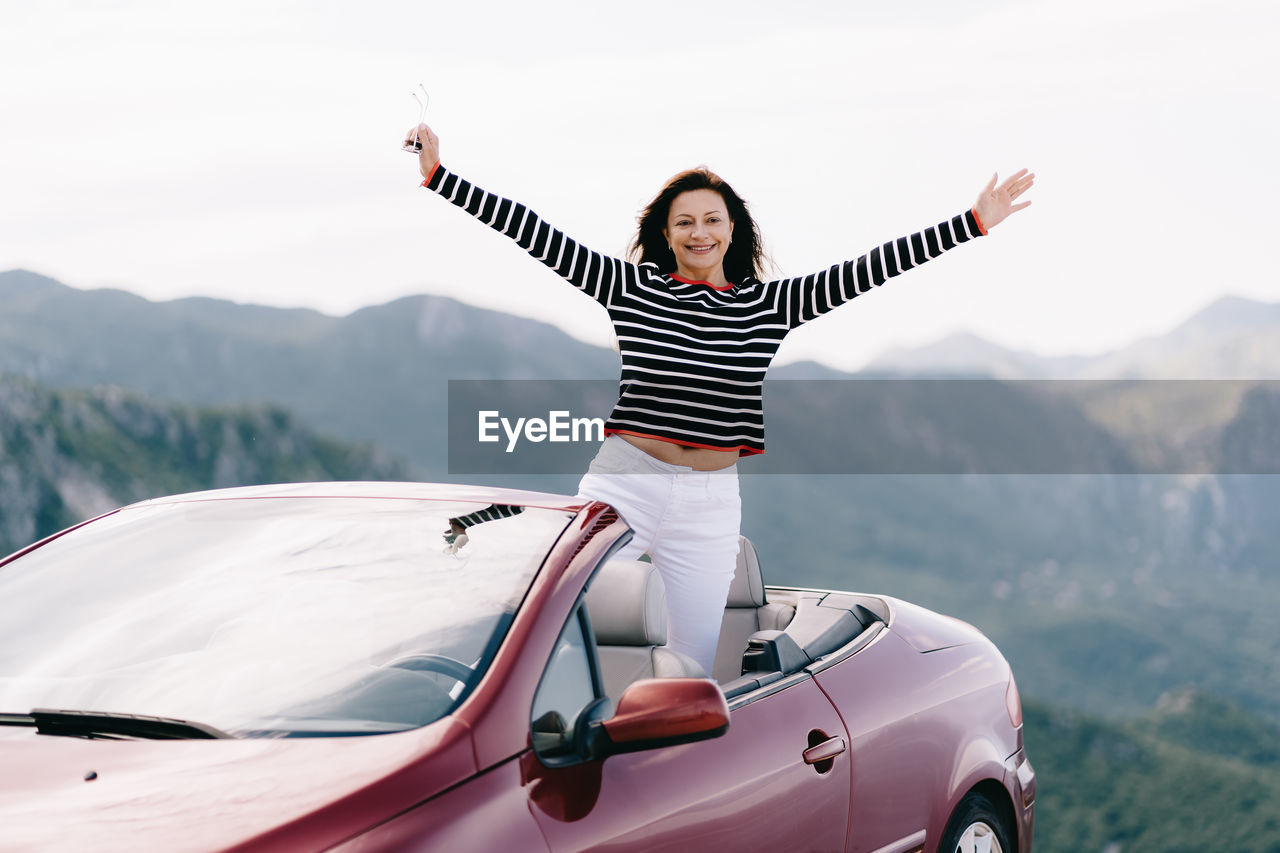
746,611
627,606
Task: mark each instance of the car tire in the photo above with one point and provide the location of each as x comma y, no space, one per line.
977,826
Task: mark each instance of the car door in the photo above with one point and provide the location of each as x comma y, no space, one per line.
901,743
749,789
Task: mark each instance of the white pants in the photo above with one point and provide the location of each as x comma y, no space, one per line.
687,521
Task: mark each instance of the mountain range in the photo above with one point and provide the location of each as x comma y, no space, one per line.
1232,338
378,374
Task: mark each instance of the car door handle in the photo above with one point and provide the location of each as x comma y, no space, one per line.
824,751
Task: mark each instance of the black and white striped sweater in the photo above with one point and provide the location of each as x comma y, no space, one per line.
694,355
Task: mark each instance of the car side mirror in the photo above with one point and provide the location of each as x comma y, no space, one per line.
657,712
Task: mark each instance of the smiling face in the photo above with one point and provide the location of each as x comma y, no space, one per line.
699,230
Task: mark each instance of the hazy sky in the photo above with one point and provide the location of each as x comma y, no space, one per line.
250,150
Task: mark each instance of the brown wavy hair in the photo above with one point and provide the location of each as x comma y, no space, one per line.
745,256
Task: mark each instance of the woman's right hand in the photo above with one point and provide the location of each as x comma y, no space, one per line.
429,156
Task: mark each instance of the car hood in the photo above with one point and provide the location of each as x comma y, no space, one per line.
927,631
287,794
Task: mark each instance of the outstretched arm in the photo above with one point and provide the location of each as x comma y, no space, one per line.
597,275
814,295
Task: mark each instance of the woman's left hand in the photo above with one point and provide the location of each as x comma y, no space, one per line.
995,204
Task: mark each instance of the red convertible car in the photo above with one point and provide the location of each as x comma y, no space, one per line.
377,667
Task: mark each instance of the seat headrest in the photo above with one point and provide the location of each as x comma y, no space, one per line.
627,604
747,589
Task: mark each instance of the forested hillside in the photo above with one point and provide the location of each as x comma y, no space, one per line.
66,455
1196,774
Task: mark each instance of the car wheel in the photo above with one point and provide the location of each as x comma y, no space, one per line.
977,826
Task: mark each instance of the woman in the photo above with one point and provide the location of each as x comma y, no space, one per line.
697,327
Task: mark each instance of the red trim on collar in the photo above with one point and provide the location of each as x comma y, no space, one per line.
707,283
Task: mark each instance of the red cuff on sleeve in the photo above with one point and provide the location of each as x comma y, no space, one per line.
981,227
432,173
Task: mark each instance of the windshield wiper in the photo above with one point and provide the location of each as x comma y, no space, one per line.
90,724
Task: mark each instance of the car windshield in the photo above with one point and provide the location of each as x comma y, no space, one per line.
270,616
